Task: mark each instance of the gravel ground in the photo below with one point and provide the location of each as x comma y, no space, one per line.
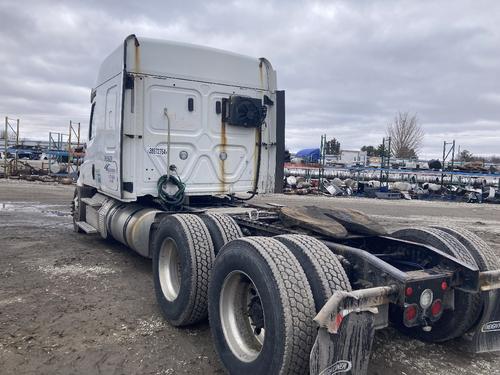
77,304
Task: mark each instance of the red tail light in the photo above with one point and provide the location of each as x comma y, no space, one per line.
409,291
437,308
444,285
410,313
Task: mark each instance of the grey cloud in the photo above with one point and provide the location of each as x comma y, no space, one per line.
347,66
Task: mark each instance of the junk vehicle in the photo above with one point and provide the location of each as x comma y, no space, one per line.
24,152
180,138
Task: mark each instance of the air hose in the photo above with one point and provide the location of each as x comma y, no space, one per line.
177,198
257,171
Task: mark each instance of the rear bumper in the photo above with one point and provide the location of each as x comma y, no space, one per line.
483,337
342,303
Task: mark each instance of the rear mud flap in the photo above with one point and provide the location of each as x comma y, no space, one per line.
348,350
486,335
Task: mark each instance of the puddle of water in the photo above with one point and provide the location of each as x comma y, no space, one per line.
45,209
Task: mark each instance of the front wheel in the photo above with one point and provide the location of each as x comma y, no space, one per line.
261,308
76,211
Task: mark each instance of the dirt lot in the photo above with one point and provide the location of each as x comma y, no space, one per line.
76,304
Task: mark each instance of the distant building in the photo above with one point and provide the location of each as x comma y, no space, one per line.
347,158
353,157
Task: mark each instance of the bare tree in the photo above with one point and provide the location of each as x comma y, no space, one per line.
406,135
466,155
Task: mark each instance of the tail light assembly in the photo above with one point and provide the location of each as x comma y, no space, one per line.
410,315
436,309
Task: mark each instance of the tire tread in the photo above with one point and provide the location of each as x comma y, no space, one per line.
328,271
222,228
296,299
202,257
482,253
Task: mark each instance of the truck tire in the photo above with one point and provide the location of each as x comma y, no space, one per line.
183,254
482,253
222,229
453,323
76,211
261,308
436,238
323,270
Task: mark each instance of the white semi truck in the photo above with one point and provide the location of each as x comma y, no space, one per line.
180,138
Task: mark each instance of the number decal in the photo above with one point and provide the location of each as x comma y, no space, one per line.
157,151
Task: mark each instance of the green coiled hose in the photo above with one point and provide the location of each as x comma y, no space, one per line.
174,199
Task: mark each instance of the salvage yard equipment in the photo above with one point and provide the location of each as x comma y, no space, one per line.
180,138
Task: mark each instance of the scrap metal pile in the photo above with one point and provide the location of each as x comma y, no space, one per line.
31,170
478,191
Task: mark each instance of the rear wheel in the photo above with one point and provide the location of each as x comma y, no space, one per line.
484,256
453,323
222,229
323,270
261,308
436,238
183,254
482,253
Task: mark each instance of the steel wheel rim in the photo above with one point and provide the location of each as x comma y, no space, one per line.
169,269
241,335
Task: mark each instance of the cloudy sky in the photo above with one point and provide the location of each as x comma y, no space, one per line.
347,66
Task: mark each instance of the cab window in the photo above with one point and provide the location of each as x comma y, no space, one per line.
91,122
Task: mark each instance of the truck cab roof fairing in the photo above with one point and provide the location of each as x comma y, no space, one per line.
205,64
